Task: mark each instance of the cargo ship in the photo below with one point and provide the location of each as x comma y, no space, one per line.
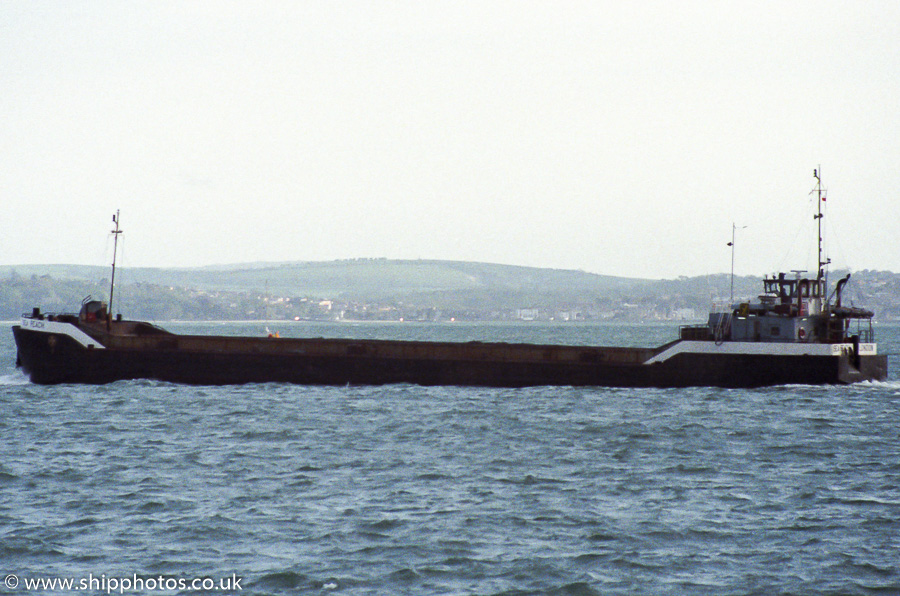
795,333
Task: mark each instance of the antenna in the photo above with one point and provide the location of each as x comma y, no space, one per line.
820,275
817,174
112,283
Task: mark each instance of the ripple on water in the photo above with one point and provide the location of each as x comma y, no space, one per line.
407,489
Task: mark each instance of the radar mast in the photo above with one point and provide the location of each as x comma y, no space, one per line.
112,282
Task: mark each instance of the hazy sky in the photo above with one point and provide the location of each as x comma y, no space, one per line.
621,138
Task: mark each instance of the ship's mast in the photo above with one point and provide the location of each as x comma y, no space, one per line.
734,228
112,283
820,194
818,217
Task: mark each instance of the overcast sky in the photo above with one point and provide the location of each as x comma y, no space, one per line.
622,138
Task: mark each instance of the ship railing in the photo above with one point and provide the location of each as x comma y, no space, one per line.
866,333
863,330
694,332
720,306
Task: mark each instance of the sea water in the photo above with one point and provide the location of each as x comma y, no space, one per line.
281,489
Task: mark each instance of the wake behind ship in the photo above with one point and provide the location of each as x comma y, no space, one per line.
795,333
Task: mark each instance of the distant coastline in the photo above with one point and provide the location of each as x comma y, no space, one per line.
396,290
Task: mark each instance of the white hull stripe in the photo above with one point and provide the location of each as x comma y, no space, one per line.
43,326
761,349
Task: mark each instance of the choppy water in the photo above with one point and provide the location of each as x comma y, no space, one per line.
445,490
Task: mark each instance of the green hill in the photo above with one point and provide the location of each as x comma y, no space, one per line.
391,289
374,279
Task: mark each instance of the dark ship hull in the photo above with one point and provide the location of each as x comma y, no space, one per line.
794,334
68,352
